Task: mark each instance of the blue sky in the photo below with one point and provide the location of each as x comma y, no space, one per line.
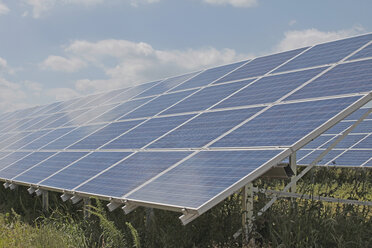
58,49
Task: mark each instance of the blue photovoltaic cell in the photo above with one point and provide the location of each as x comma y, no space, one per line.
343,79
46,121
158,104
327,158
4,137
89,115
72,137
318,142
326,53
300,154
339,127
47,108
67,117
49,167
166,85
11,158
147,132
353,158
131,173
278,86
132,92
32,122
202,177
104,135
364,53
358,113
363,127
46,139
13,138
4,154
369,164
84,169
206,98
272,127
208,76
204,128
27,139
366,143
349,141
120,110
260,66
15,127
24,164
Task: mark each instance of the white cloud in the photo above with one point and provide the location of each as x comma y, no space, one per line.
302,38
39,7
3,9
58,63
234,3
61,94
140,62
5,68
11,96
136,3
292,22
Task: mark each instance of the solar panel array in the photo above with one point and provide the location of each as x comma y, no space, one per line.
189,141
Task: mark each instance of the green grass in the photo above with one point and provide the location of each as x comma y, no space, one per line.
288,223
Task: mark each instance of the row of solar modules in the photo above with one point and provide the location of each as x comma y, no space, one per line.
319,55
236,95
268,128
178,178
249,92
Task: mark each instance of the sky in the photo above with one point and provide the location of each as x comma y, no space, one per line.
52,50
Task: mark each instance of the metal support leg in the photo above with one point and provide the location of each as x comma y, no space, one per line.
45,200
87,203
247,207
293,165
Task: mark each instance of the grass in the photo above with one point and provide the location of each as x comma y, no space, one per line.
288,223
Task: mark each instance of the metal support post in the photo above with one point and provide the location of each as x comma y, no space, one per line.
86,209
293,165
247,207
45,200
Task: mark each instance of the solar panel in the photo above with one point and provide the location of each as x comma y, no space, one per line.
74,174
24,164
326,53
364,53
205,98
260,66
204,129
279,86
49,167
273,128
147,132
136,170
167,85
188,142
202,177
208,76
